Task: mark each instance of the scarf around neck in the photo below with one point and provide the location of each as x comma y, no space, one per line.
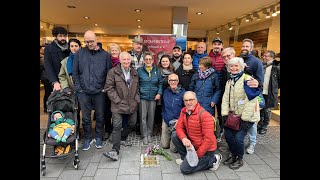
206,73
235,77
114,61
70,63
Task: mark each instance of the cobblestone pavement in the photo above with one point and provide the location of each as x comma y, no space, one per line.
264,163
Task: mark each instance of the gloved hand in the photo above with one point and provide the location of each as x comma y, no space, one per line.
246,125
224,119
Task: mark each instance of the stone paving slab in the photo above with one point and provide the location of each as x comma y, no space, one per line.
264,163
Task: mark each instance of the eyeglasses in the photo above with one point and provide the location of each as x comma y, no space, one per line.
89,42
189,100
228,56
173,80
148,59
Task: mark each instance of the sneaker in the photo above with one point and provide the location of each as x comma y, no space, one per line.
179,161
237,164
99,143
230,160
112,155
217,163
86,144
250,149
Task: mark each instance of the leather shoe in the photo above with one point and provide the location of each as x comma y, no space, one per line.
230,160
263,131
237,164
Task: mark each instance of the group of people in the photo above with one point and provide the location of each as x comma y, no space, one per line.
127,87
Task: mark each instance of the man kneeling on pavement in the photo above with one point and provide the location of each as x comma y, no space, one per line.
195,130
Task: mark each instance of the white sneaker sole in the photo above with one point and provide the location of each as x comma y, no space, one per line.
217,164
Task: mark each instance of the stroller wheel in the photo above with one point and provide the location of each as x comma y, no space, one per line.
43,172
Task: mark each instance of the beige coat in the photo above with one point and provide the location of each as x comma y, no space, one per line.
239,103
64,79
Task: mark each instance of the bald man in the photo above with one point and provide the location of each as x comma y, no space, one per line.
201,52
90,67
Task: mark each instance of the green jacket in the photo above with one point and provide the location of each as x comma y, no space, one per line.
64,78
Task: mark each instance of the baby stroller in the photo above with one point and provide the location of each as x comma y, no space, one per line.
66,103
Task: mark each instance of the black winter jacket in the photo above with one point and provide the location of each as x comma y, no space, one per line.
90,70
53,55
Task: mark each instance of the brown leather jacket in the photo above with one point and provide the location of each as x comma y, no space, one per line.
124,99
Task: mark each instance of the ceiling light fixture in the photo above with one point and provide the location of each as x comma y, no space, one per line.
230,26
249,18
256,15
96,24
273,11
137,10
86,17
139,20
199,13
266,12
139,26
278,10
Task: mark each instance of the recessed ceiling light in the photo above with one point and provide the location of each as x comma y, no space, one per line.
139,20
71,7
139,26
137,10
96,24
86,17
199,13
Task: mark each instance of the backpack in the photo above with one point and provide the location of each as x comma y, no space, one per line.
215,122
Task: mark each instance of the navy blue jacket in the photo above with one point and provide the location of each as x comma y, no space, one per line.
208,90
90,70
255,67
53,55
172,103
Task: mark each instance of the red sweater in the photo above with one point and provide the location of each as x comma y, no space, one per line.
200,133
216,61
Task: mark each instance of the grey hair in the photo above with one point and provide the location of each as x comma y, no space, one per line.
235,60
250,41
229,49
191,92
271,53
124,53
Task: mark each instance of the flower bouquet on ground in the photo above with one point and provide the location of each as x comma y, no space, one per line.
157,150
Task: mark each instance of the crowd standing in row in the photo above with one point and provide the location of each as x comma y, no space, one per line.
128,86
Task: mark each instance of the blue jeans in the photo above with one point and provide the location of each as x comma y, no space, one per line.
253,134
205,162
88,102
235,141
67,132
